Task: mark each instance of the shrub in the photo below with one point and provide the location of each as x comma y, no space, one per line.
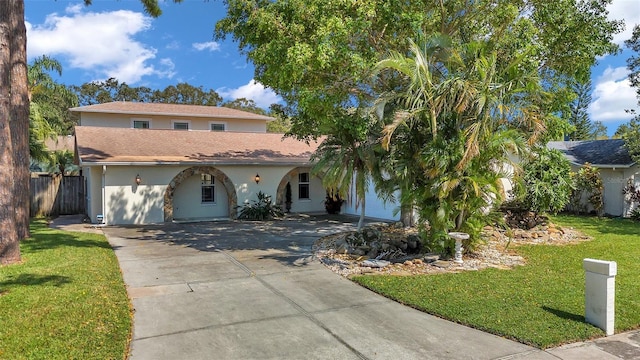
632,196
333,204
587,182
262,209
546,184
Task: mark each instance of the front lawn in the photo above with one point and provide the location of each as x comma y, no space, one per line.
540,304
67,300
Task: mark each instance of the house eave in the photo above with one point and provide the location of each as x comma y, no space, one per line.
192,163
606,166
80,110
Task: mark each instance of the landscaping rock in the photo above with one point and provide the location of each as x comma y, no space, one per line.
341,252
374,263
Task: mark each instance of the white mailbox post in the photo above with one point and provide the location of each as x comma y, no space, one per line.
600,289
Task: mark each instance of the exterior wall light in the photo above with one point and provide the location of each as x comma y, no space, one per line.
138,179
257,178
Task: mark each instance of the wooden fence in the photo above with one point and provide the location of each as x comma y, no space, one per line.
57,195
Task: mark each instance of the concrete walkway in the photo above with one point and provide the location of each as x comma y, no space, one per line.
242,290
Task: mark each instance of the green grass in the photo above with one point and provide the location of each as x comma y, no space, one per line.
540,304
66,300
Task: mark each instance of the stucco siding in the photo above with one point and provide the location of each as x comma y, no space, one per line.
166,122
129,203
317,195
94,191
270,178
374,207
187,200
613,181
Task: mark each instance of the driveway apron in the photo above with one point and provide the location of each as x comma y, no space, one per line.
252,290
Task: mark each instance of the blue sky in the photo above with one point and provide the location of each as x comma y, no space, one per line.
116,39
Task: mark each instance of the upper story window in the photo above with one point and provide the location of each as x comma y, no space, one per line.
181,124
141,124
207,182
303,185
217,126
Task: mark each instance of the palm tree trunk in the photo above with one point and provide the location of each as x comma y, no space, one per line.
362,210
406,214
9,241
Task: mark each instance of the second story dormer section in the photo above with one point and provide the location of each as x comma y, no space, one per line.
122,114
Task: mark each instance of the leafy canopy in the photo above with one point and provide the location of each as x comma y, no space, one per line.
319,54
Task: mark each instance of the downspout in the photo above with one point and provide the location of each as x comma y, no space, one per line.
104,207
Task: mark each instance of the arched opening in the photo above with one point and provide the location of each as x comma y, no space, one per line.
308,195
220,177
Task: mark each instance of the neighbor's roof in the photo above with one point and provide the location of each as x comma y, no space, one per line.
60,143
600,153
140,108
110,146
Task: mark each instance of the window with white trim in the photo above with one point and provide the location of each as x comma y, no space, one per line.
141,124
303,185
180,125
208,188
217,126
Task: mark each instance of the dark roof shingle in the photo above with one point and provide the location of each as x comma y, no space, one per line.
608,152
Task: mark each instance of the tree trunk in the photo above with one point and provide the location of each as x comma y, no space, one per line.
406,215
9,241
19,124
362,209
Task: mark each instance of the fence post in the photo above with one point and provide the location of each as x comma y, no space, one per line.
600,293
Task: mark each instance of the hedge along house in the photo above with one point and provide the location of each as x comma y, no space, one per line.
152,163
614,163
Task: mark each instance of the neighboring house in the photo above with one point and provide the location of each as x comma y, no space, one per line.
152,163
615,164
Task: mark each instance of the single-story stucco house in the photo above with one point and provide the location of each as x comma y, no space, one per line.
152,163
617,169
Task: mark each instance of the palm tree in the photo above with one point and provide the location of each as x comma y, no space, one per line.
344,159
455,121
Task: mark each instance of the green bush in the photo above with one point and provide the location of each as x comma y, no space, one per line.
262,209
546,184
587,182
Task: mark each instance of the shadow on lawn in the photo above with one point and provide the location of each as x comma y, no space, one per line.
46,241
564,314
33,279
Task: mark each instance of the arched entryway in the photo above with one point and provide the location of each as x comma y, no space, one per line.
308,195
219,176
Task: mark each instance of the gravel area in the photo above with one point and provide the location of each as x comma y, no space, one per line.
498,251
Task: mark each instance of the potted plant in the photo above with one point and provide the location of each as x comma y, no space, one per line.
333,204
287,197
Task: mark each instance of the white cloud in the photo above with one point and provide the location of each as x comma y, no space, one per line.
168,68
627,10
255,91
102,43
211,46
173,45
612,94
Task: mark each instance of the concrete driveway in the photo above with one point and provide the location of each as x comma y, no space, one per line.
245,290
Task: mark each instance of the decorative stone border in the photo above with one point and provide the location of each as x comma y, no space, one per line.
196,170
